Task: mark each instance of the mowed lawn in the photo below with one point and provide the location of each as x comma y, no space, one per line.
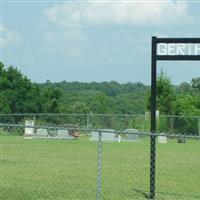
67,170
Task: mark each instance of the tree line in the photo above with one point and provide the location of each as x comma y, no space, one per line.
18,94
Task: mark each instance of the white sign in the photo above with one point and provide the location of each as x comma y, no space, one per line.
174,49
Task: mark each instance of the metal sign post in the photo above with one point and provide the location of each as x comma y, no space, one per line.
175,50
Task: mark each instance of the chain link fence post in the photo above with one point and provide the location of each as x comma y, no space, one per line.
98,196
152,166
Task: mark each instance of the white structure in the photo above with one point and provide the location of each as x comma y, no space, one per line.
162,139
119,138
41,133
107,135
63,134
157,113
29,129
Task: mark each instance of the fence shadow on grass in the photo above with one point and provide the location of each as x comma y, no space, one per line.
143,193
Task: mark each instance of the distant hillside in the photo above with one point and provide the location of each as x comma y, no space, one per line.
104,97
112,88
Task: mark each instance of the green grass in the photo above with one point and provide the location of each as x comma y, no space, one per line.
67,170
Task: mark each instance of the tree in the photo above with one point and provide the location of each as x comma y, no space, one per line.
17,93
187,105
185,88
196,83
50,98
165,95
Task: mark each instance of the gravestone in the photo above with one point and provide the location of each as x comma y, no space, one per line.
94,136
29,131
162,139
132,137
107,135
63,134
41,133
52,133
131,134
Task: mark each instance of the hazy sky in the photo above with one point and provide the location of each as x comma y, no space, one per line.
95,40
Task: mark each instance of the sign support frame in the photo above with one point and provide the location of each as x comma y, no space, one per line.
154,59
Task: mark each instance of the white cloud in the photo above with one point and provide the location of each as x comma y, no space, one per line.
121,12
67,23
8,37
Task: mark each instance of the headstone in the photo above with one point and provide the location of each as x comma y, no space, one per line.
107,135
63,134
41,133
29,129
94,136
131,134
162,139
52,133
132,137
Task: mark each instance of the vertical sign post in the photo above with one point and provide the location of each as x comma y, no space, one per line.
153,119
175,49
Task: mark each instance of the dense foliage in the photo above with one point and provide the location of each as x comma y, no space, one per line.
104,97
19,95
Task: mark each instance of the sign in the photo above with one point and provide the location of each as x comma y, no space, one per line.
178,49
171,49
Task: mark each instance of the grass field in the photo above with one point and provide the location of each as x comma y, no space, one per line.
67,170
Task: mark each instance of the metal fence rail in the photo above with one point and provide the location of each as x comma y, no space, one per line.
188,125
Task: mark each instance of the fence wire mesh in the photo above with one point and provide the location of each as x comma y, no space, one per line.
177,169
75,157
47,168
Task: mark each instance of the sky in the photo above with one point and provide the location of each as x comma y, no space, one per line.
101,40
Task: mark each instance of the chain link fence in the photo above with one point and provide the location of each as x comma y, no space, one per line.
75,157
